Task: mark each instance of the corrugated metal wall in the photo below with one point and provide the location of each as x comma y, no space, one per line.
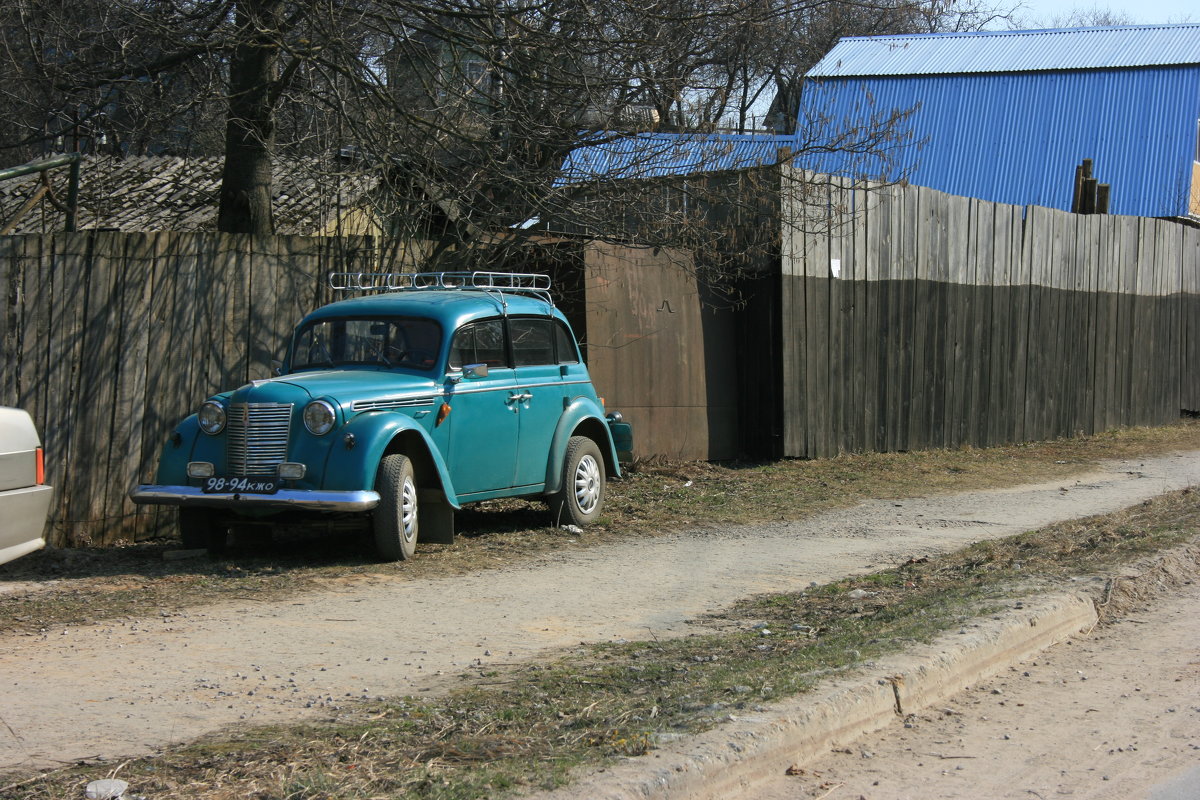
1017,137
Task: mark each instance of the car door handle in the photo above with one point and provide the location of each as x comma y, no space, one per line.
521,397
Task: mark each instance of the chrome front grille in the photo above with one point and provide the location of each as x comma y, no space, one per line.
257,437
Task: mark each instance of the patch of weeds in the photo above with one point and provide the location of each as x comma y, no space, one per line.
528,727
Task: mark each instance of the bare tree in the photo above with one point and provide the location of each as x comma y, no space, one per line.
465,109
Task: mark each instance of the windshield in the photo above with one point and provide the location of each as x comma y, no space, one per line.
389,342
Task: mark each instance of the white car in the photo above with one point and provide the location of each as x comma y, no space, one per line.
24,495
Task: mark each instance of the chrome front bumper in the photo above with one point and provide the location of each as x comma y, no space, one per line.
282,500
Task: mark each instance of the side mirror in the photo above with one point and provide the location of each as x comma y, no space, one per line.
475,371
276,367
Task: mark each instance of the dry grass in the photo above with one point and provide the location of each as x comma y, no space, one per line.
73,587
527,727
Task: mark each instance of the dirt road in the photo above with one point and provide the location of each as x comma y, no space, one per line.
1110,716
130,687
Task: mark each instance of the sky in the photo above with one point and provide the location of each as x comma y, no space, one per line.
1042,12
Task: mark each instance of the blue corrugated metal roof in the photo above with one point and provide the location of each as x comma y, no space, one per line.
659,155
1012,51
1016,138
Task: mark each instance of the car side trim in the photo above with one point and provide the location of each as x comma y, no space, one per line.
192,496
510,386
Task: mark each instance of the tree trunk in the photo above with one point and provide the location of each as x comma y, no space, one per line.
250,129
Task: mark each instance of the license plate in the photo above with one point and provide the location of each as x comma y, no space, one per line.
240,485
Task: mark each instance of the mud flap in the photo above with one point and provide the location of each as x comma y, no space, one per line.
436,518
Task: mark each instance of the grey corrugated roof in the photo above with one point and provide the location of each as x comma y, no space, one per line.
655,155
1012,51
157,193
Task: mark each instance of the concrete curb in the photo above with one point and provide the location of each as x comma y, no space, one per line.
732,758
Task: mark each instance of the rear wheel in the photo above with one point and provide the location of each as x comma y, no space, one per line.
581,497
394,521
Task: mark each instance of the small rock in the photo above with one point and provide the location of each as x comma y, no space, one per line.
572,529
107,789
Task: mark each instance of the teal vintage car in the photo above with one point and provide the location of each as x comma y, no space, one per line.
397,406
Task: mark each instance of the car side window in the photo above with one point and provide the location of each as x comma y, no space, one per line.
479,343
532,341
565,345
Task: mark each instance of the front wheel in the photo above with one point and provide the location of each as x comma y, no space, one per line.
581,496
394,521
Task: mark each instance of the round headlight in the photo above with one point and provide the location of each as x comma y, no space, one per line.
212,417
319,417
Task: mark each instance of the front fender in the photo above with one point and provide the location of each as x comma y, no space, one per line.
584,416
354,467
177,452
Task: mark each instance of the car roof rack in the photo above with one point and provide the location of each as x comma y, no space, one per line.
530,283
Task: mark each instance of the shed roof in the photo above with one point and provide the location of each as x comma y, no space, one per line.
656,155
1012,51
154,193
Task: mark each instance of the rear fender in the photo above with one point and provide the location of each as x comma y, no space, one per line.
582,417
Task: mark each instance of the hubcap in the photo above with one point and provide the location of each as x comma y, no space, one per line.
587,484
408,509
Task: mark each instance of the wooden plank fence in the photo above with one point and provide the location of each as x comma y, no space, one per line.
950,322
109,339
916,319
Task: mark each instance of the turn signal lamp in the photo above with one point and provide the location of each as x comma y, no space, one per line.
292,470
200,469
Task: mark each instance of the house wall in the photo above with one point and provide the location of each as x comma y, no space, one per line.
1017,137
916,319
